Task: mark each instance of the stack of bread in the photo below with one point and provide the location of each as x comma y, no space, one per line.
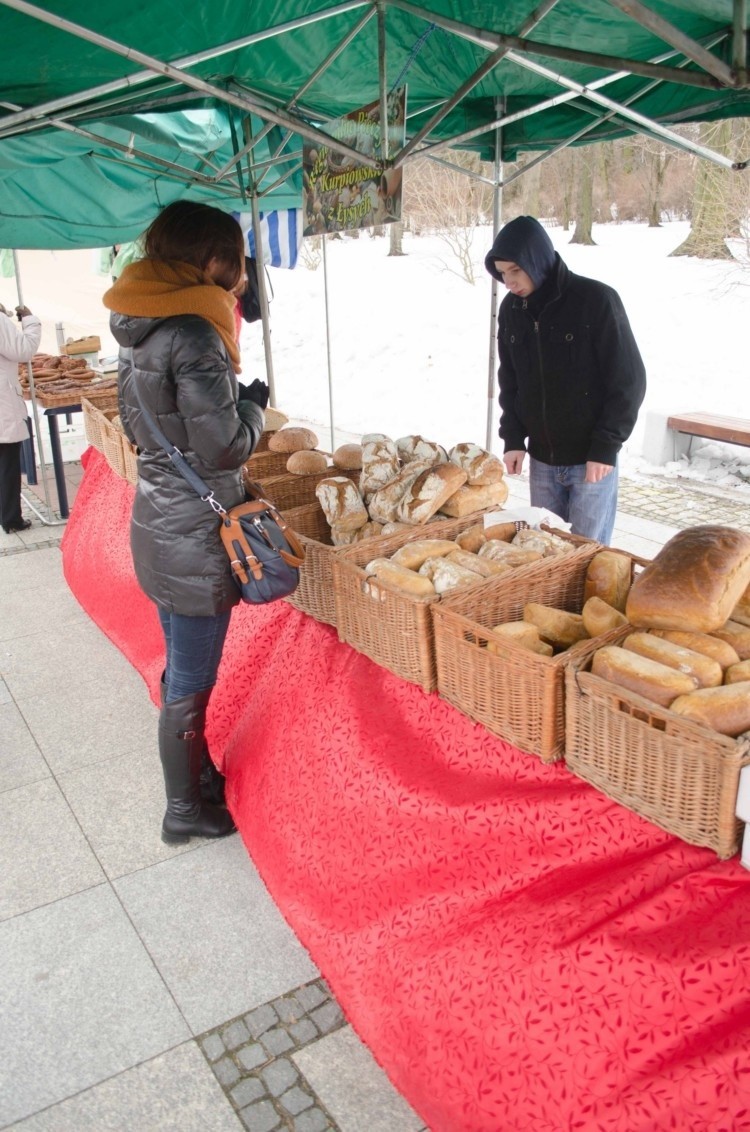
689,650
405,483
56,375
430,566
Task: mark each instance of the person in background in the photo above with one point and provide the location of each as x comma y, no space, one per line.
571,379
17,344
173,317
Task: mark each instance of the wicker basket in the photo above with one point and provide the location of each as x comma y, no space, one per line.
682,776
314,594
393,628
92,423
129,461
289,491
517,694
102,434
263,465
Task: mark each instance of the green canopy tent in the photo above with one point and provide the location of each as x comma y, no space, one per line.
102,122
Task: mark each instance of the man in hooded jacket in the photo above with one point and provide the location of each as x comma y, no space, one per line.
571,379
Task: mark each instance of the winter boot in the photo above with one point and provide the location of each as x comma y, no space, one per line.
212,780
181,735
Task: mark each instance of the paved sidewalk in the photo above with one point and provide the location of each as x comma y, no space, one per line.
147,987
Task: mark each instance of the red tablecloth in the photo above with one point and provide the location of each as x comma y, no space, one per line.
518,951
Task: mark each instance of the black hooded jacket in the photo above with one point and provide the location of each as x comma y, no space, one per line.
571,376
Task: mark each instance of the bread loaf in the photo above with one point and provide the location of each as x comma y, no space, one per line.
500,551
413,554
741,611
648,678
380,463
348,457
394,575
342,504
736,635
547,543
481,467
556,626
608,576
429,492
484,566
694,582
417,448
521,633
506,532
737,673
706,643
598,617
472,538
275,419
469,499
292,440
703,669
395,528
725,709
446,575
383,504
306,462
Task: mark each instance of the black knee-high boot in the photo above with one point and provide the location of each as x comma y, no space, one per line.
212,780
181,734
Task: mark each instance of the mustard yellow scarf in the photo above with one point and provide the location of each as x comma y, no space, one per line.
157,289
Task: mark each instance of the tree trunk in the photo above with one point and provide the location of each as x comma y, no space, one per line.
710,199
585,202
397,229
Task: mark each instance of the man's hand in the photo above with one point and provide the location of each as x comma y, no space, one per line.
514,462
22,312
597,472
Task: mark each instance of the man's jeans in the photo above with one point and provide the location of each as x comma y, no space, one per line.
590,508
194,647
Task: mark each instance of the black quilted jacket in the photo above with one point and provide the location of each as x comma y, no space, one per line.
187,383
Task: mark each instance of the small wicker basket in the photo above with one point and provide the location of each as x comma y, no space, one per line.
680,775
517,694
314,594
390,626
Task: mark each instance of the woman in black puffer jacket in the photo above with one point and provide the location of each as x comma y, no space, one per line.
173,316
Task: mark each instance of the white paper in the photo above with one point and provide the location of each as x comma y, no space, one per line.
534,516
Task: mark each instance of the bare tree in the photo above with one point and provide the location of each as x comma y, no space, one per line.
711,214
584,201
449,204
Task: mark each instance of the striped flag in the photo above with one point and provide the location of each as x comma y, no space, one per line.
281,234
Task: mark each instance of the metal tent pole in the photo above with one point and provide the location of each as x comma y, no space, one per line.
328,341
497,211
49,520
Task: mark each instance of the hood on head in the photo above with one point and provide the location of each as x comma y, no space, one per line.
525,242
128,329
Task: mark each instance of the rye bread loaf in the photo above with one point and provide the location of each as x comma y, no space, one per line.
417,448
306,462
380,462
292,440
342,504
348,457
694,582
482,467
383,504
428,493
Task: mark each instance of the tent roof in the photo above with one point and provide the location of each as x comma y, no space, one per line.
101,125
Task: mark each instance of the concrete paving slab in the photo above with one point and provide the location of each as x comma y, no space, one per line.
20,759
52,659
218,940
45,856
23,613
175,1092
353,1087
5,696
120,806
81,999
103,721
27,570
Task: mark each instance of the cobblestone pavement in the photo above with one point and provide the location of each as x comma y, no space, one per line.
683,503
253,1060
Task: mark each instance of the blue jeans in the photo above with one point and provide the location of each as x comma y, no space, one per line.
194,648
590,508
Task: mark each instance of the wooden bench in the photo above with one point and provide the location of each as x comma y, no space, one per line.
712,426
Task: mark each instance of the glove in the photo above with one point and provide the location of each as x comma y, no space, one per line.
256,391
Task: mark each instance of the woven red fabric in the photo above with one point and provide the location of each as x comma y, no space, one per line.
518,951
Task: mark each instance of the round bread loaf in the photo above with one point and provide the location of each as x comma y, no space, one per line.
306,462
293,440
348,457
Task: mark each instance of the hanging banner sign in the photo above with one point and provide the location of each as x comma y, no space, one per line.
340,194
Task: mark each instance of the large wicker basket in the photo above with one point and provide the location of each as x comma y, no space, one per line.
682,776
104,435
289,491
390,626
517,694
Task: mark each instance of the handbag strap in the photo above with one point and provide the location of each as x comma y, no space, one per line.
199,486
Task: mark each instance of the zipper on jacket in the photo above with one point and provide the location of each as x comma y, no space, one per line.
541,380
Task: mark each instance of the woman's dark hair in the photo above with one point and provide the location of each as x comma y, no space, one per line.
197,233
